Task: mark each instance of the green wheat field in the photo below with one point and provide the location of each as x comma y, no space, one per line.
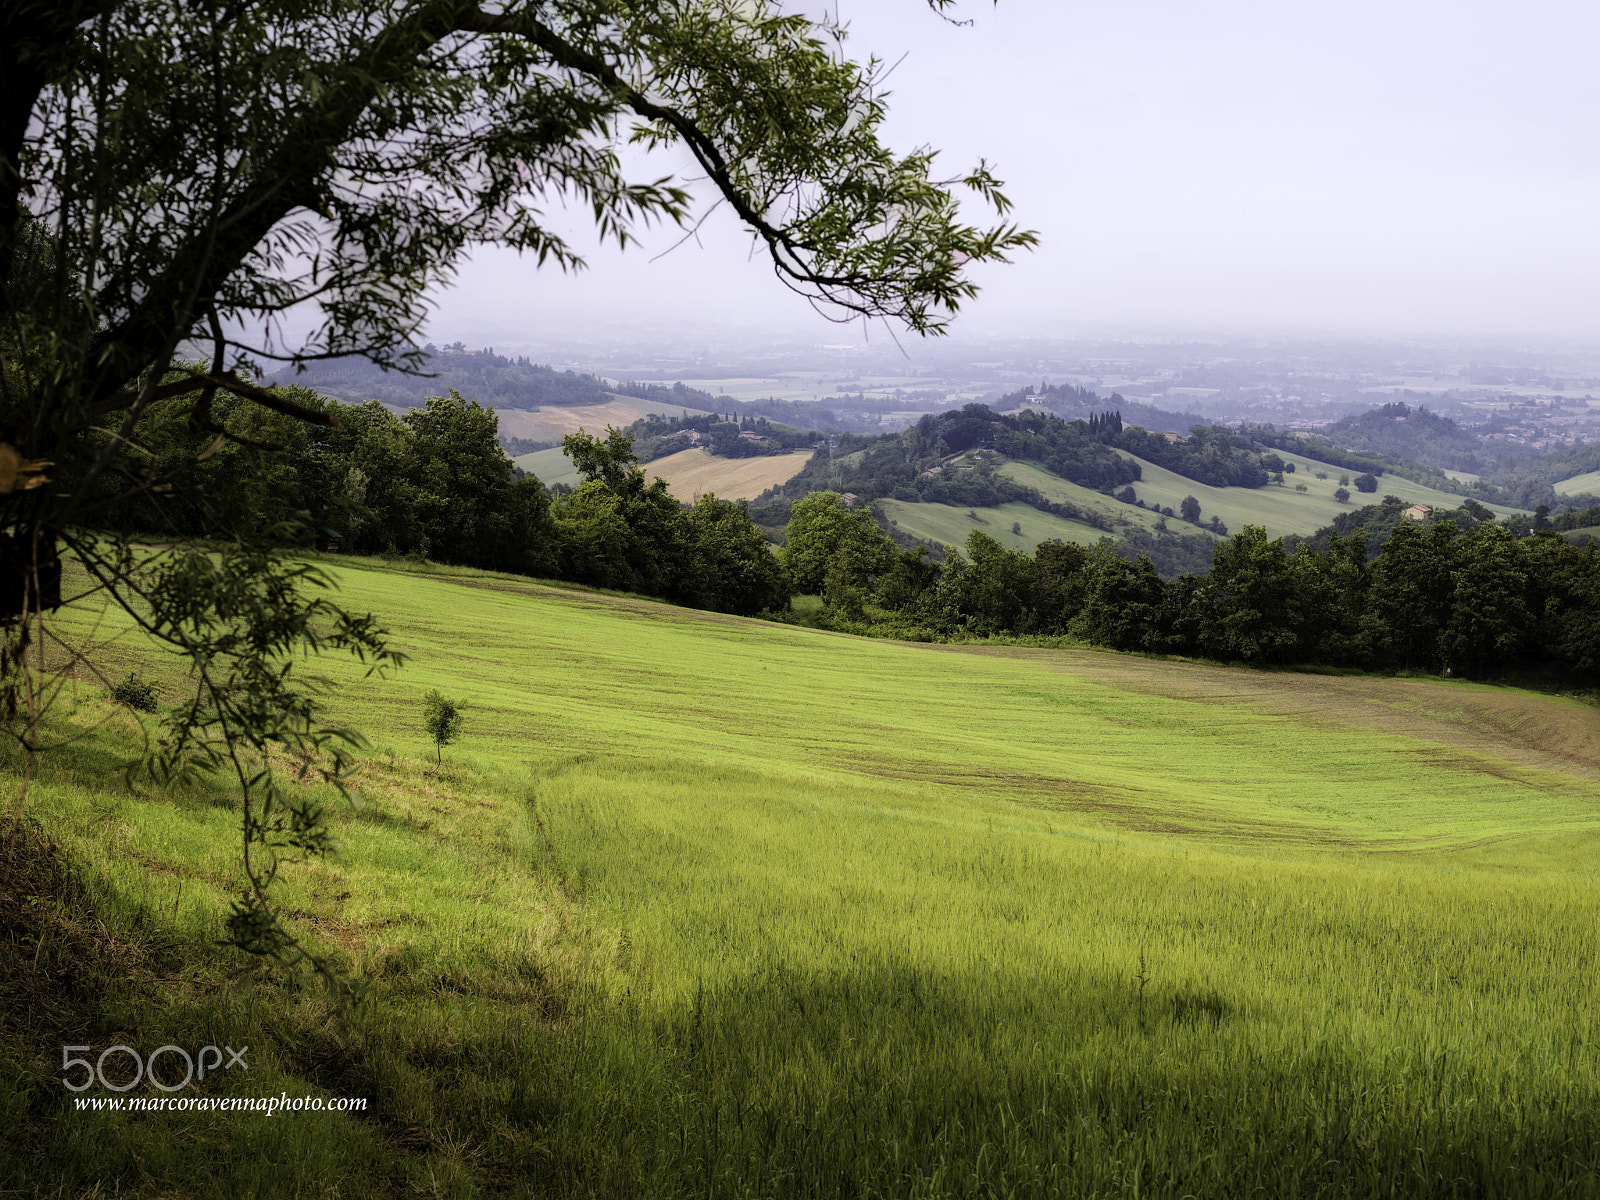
711,907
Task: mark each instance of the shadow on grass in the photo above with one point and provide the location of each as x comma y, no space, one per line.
487,1075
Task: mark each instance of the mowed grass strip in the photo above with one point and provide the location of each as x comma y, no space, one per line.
708,906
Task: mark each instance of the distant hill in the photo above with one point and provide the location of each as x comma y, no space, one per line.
496,381
1400,431
491,379
1074,403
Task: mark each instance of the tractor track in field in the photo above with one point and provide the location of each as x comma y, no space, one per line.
1541,733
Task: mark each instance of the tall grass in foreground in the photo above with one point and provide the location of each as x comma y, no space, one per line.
892,931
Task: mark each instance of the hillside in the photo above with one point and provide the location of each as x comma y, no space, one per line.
553,424
948,525
491,379
689,473
1414,433
705,904
1587,484
1284,509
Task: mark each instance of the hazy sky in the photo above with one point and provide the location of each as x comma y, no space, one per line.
1396,167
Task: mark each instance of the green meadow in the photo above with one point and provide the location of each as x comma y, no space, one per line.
949,525
704,906
1053,487
1283,510
1578,485
551,466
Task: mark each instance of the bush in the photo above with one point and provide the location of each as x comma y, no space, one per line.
1366,483
136,693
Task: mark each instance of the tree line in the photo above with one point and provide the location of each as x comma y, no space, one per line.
1459,593
1462,595
434,483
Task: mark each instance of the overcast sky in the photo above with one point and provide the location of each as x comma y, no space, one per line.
1396,167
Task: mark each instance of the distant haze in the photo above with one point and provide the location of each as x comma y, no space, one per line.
1395,168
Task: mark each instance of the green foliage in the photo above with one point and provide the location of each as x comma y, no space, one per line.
138,694
1458,594
1189,510
1398,430
442,717
1366,483
831,545
616,531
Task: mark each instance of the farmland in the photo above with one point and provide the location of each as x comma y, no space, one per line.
1053,487
688,473
711,906
692,473
1284,510
552,423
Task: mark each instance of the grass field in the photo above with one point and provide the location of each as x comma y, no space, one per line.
704,906
1586,484
689,473
1053,487
949,526
1284,510
552,423
550,467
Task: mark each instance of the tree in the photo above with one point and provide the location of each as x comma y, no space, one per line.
1122,602
736,570
1366,483
1342,495
1189,510
442,718
825,537
176,177
1409,600
1489,617
1254,600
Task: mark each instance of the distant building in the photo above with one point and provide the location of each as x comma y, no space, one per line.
1173,437
1417,512
849,499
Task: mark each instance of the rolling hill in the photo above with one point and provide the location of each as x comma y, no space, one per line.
1282,509
704,905
554,423
1579,485
948,525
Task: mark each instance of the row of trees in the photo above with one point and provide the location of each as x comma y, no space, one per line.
1441,597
